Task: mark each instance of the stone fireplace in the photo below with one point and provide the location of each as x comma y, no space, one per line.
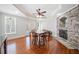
68,28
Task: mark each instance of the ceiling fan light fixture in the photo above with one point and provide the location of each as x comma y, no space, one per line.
38,16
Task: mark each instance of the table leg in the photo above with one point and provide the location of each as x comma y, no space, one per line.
38,40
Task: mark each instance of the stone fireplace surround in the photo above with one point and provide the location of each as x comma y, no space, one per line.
72,40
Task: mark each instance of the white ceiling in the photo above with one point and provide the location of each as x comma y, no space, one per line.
47,7
28,9
10,9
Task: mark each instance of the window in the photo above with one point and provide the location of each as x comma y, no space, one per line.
10,25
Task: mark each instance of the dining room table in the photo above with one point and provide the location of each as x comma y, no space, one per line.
40,37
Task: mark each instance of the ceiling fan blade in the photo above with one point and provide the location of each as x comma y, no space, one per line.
42,15
38,10
43,12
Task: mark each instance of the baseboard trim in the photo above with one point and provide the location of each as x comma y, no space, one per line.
17,37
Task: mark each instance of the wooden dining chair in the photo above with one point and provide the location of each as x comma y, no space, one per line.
46,38
34,38
41,41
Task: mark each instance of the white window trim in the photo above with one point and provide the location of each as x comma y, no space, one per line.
10,29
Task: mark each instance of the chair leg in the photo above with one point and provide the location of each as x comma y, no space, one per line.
47,42
5,47
44,41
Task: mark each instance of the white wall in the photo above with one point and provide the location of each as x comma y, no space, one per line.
21,25
49,24
0,24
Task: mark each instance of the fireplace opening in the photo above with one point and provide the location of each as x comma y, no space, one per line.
63,34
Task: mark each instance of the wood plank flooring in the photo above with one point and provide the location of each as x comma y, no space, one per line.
22,46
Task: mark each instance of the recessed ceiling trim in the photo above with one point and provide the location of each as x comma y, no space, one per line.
23,10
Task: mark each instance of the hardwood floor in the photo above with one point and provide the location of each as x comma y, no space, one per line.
22,46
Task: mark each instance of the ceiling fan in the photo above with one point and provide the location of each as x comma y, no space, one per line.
40,12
